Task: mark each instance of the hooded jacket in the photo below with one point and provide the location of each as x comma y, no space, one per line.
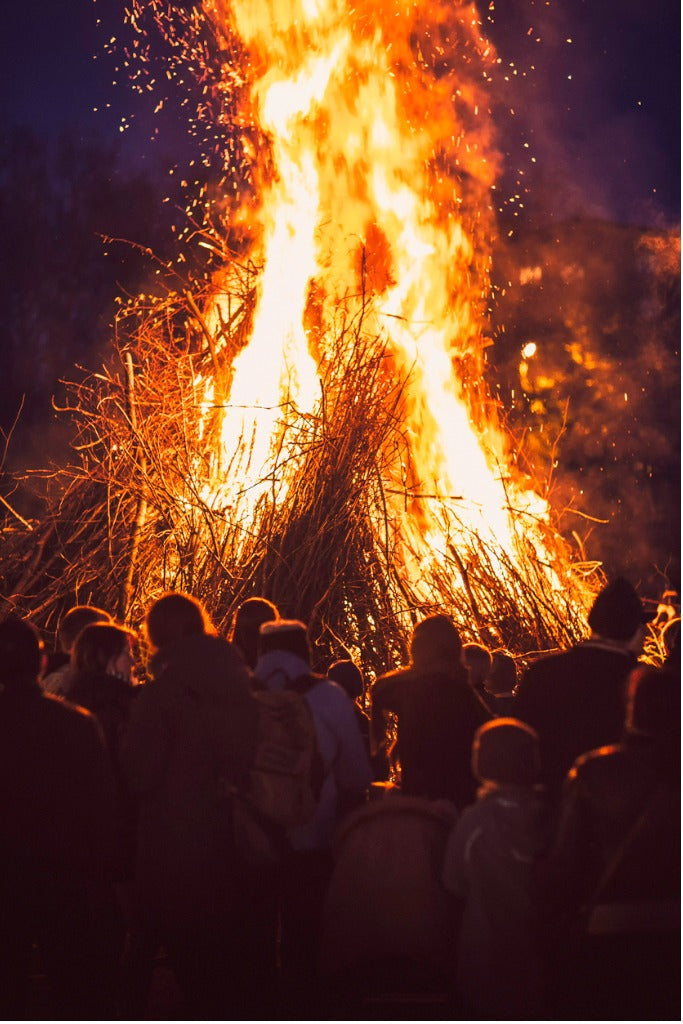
341,746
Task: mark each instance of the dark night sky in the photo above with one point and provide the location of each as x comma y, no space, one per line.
601,114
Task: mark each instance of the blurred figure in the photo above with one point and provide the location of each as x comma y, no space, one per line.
438,714
350,678
499,688
477,661
103,681
191,734
576,700
285,663
389,926
56,841
612,881
57,677
249,617
489,864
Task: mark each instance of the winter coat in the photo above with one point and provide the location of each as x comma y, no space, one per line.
489,863
110,699
347,771
438,715
576,702
386,905
56,788
618,836
191,732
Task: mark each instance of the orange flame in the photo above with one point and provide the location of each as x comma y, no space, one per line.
383,163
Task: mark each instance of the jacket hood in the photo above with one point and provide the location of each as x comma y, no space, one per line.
517,817
276,668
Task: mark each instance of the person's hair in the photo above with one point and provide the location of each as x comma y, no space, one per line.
285,635
97,645
250,615
653,705
503,675
506,750
21,651
76,619
348,676
617,611
435,641
477,659
173,616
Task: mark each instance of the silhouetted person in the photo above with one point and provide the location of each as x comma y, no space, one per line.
576,700
347,674
477,661
285,661
489,864
56,839
612,882
499,687
103,682
438,714
58,671
191,733
249,617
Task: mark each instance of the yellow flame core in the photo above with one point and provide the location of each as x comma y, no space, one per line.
368,152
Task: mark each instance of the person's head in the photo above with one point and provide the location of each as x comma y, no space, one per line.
617,614
348,676
250,615
653,703
21,653
503,675
102,647
435,642
506,751
173,617
477,661
285,635
76,619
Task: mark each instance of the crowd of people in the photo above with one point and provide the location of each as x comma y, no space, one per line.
480,846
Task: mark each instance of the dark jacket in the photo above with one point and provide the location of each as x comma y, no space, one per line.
618,835
56,788
190,728
576,701
110,699
438,715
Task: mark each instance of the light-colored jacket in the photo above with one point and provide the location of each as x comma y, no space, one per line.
346,762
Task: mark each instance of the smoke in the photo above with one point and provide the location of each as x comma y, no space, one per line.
588,98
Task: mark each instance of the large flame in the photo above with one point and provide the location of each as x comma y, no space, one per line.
378,186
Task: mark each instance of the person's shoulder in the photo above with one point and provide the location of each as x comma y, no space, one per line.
394,680
67,718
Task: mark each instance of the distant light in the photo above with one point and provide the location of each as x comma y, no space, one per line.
529,350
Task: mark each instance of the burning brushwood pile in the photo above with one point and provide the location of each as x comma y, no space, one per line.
307,416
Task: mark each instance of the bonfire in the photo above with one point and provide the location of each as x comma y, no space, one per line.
305,415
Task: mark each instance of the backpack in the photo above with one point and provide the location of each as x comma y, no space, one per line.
286,775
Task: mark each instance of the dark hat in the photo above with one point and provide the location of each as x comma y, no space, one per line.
617,611
506,750
20,651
